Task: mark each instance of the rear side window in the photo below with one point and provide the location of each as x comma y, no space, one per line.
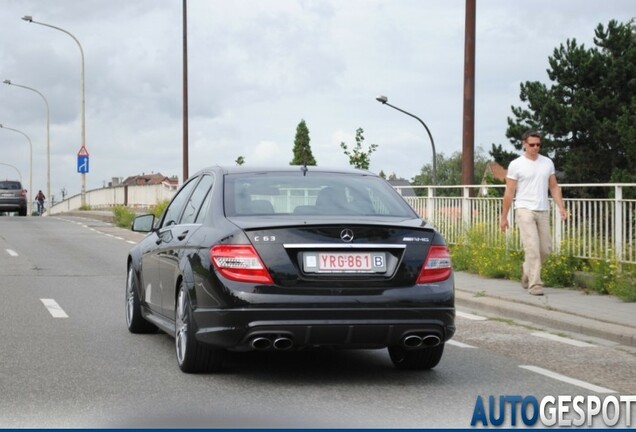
317,193
173,212
193,206
10,185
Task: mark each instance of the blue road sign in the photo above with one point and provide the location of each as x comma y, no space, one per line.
82,164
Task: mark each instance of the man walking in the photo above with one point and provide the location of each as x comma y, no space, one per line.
529,178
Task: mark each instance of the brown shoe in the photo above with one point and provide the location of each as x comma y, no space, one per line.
536,290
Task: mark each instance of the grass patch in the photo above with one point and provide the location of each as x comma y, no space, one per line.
123,216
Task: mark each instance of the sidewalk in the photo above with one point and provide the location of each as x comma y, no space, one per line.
594,315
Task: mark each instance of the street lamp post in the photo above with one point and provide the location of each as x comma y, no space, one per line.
384,101
48,140
16,170
30,203
83,99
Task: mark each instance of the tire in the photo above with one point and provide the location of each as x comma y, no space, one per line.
418,359
134,320
192,355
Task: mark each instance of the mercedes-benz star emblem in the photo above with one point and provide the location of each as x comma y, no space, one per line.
346,235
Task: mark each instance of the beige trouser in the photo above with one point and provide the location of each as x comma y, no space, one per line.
534,230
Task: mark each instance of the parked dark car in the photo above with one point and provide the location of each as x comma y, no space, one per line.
12,197
291,258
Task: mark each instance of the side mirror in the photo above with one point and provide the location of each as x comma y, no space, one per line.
143,223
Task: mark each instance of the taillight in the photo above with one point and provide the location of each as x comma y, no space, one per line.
437,266
240,263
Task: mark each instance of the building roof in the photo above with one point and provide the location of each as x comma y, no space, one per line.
497,171
149,179
404,186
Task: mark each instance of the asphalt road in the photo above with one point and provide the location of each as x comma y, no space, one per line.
67,359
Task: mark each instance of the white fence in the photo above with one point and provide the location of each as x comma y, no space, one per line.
597,228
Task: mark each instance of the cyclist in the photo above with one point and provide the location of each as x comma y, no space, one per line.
40,199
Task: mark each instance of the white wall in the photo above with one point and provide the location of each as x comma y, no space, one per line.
105,198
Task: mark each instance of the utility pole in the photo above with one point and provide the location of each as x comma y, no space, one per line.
185,93
468,145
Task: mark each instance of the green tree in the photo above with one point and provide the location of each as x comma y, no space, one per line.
588,113
501,156
302,149
449,172
358,158
240,160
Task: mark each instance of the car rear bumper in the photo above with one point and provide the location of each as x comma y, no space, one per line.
246,329
12,204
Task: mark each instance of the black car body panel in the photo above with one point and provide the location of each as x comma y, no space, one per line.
267,265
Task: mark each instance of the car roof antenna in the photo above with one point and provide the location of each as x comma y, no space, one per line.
304,169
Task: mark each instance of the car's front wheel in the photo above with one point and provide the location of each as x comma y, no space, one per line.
192,355
134,320
416,359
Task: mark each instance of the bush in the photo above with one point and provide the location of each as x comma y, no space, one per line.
491,258
476,254
123,216
611,278
558,270
158,208
625,288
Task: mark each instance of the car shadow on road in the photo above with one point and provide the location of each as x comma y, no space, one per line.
320,366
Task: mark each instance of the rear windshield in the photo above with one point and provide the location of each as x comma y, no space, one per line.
10,185
330,194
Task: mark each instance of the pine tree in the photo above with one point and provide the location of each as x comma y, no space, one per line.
302,149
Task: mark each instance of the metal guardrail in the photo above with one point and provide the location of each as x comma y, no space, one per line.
598,228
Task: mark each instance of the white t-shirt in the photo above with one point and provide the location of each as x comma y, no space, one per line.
532,178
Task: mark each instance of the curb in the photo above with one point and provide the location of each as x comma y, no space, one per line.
101,216
555,319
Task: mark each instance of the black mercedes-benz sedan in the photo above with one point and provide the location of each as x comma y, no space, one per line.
291,258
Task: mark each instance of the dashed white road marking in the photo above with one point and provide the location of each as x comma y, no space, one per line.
566,379
98,231
564,340
470,316
12,252
54,309
459,344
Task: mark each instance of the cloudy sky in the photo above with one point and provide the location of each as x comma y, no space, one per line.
256,68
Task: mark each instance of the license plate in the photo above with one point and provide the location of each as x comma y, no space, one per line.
7,194
344,262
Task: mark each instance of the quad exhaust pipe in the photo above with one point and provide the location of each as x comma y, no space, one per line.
283,343
266,342
261,343
414,341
